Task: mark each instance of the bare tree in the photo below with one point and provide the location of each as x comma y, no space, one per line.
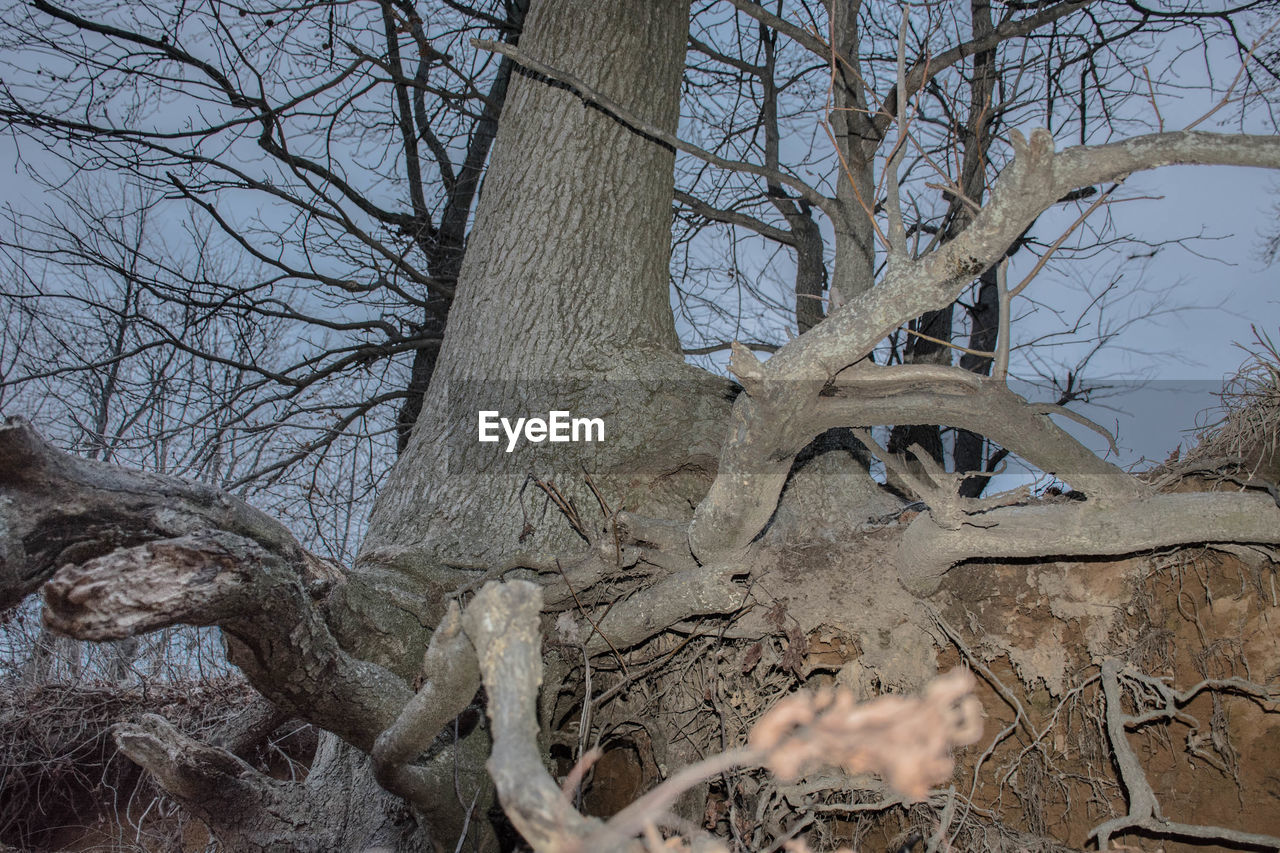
282,148
694,512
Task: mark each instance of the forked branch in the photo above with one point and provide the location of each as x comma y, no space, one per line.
770,424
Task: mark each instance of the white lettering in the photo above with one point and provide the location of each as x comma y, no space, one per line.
587,425
512,434
559,425
488,426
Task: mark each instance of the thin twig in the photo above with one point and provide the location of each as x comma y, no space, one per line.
595,627
1151,93
1057,244
1226,97
954,346
639,125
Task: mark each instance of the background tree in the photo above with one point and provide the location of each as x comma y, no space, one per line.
690,516
282,149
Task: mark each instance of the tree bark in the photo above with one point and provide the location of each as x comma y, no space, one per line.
574,228
857,140
562,303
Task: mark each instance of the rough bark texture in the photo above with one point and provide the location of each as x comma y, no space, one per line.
562,300
257,814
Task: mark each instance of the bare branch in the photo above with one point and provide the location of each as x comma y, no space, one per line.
652,131
56,509
769,427
502,622
451,678
921,72
778,418
1000,366
1033,182
734,217
1086,529
692,592
802,37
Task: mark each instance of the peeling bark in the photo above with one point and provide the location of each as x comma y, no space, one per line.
210,560
276,634
56,508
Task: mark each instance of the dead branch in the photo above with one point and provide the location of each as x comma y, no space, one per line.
57,508
135,552
766,432
776,418
275,633
451,678
698,591
927,551
503,625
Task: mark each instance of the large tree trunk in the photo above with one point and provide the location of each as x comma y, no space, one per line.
562,303
573,227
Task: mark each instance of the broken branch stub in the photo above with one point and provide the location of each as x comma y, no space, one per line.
58,509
